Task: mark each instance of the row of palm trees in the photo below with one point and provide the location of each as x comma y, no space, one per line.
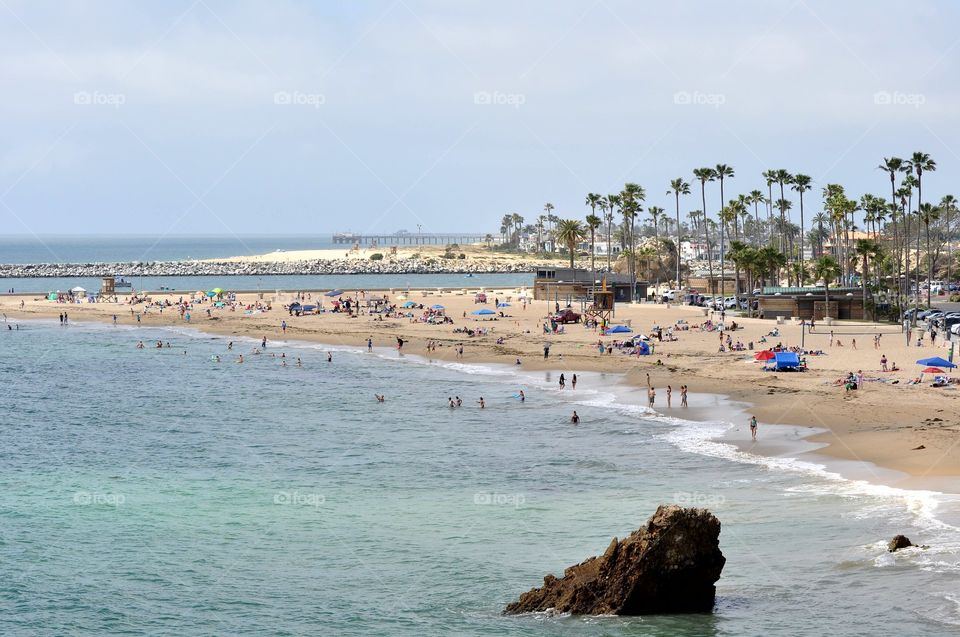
895,228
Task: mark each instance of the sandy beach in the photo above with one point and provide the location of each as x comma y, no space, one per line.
911,429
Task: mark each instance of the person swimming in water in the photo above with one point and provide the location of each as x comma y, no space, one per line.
575,419
522,396
482,403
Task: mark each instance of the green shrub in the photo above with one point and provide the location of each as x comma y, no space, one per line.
376,256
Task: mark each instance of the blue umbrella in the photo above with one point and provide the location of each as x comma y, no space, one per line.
483,312
936,361
504,305
437,307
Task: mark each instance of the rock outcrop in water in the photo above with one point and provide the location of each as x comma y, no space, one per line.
671,565
264,268
899,542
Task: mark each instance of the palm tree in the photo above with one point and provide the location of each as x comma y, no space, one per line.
801,184
949,204
631,196
613,202
781,176
921,162
517,225
768,176
593,222
570,233
928,213
866,249
548,209
679,187
820,219
756,198
827,269
722,171
505,225
894,165
703,175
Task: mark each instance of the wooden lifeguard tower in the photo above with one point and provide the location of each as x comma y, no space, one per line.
602,306
107,286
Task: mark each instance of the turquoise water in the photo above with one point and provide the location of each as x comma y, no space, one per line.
152,492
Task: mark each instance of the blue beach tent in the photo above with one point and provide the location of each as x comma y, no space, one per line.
619,329
787,361
483,312
936,361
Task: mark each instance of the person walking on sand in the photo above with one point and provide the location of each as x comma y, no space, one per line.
854,343
669,395
573,382
831,338
753,428
283,326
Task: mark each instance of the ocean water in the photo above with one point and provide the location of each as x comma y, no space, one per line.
158,492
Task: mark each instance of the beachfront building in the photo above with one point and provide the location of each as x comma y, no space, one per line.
809,303
578,283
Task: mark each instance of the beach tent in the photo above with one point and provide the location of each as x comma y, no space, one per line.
437,307
409,304
78,290
619,329
935,361
334,293
503,305
644,348
787,361
483,312
765,355
52,296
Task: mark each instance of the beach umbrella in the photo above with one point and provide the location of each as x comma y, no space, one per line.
409,304
211,294
504,305
765,355
78,289
334,293
437,307
932,370
217,290
401,297
935,361
483,312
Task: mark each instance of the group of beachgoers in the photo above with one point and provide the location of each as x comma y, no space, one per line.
652,394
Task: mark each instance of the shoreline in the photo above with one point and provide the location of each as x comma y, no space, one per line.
793,442
882,424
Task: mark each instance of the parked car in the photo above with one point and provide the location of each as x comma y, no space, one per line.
566,316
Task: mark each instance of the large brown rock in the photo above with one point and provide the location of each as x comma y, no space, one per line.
671,565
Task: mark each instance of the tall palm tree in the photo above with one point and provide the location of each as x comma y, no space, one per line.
722,171
613,202
928,213
948,204
703,175
656,213
826,269
679,187
517,225
867,250
920,162
570,233
820,219
756,198
631,196
593,222
894,165
768,176
781,176
801,184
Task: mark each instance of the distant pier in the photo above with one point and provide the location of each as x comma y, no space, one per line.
412,238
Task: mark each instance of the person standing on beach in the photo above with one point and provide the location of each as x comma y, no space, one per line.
369,343
651,396
573,382
283,326
263,343
683,395
831,338
753,428
669,396
546,351
563,381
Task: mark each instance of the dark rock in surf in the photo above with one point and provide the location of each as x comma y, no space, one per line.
899,542
671,565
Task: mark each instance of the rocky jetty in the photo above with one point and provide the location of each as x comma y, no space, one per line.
671,565
264,268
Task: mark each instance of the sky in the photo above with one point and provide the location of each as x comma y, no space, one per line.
207,117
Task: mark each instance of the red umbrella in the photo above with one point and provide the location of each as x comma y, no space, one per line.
932,370
765,355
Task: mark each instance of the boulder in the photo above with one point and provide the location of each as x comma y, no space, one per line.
671,565
899,542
